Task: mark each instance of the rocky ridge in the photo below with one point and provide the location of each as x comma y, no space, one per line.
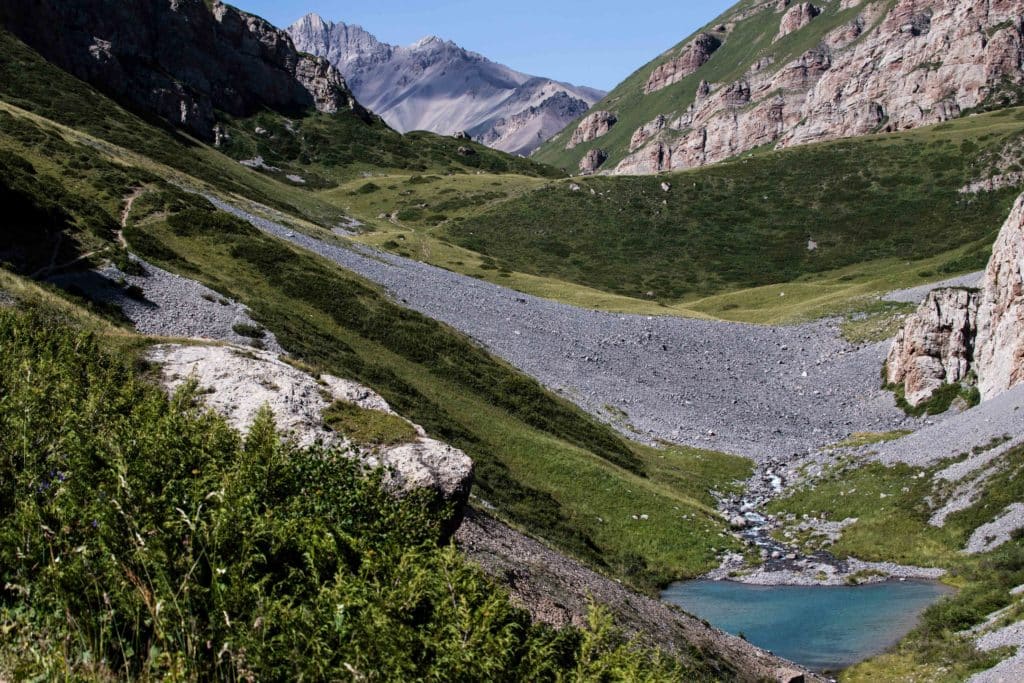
182,61
956,332
916,63
438,86
693,56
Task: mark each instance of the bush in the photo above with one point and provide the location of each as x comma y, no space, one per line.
142,538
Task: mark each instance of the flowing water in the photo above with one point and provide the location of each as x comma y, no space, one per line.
825,628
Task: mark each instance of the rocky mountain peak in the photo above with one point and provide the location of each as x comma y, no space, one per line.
874,67
436,85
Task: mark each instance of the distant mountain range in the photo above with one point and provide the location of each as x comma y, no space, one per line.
436,85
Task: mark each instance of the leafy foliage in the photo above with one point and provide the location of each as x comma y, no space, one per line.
140,537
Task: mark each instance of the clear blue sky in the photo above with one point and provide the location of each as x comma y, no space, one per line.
589,42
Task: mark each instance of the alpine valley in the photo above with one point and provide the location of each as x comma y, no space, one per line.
325,359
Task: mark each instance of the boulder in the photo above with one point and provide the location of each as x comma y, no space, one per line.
592,127
245,380
935,345
999,352
958,331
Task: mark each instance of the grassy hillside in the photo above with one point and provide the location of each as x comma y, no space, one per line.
749,222
749,40
143,539
545,465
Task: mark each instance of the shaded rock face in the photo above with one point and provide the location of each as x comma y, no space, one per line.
438,86
936,344
180,60
693,56
245,380
999,356
592,161
592,127
916,63
956,331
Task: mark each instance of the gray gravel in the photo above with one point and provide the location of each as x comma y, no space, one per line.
988,537
170,305
916,295
746,389
1010,670
959,433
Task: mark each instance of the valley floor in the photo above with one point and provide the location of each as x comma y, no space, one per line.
750,390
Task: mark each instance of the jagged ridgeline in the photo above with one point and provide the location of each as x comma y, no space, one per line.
783,73
229,79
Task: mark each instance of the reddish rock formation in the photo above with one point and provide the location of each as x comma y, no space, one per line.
592,127
694,55
918,63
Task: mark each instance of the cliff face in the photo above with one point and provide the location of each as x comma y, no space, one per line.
438,86
180,60
956,331
783,74
999,357
936,344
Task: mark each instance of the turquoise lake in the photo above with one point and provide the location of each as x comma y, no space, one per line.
821,627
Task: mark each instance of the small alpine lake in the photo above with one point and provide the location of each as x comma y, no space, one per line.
825,628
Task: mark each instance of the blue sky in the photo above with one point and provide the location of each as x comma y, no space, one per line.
593,42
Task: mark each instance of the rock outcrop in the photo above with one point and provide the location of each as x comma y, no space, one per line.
438,86
182,60
693,56
592,127
238,382
592,161
916,63
956,331
795,18
999,353
935,345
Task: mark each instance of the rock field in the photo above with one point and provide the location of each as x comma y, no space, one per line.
745,389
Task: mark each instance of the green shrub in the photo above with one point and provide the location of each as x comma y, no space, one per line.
142,538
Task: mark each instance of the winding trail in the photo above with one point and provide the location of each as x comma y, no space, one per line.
762,392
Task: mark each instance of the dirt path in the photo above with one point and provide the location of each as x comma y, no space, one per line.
129,202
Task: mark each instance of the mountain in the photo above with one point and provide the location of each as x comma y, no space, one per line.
782,74
438,86
181,61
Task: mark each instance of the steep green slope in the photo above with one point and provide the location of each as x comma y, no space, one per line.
142,539
750,39
750,222
540,460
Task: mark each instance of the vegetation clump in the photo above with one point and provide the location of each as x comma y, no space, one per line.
368,427
142,538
